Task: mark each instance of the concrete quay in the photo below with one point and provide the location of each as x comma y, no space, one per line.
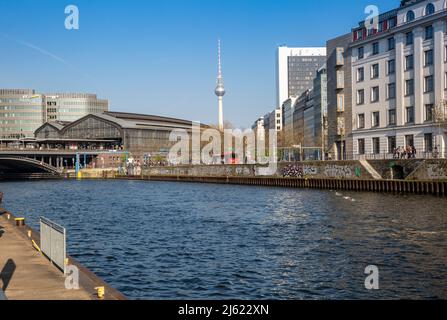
26,274
407,176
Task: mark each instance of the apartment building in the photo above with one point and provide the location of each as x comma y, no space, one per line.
399,81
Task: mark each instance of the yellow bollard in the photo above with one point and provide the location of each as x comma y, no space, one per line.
79,175
100,291
20,222
29,233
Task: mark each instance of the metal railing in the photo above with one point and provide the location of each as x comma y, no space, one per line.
53,242
398,156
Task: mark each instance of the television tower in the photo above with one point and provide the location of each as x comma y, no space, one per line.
220,90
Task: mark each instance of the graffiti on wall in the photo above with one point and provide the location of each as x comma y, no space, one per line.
336,171
435,171
299,171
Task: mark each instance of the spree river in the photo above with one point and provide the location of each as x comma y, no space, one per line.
157,240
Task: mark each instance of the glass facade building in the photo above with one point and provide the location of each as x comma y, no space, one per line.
302,71
22,111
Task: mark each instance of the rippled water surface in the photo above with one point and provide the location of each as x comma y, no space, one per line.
161,240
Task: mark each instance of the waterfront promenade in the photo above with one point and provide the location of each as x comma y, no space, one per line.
25,274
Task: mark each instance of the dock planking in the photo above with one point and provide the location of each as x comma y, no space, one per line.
25,274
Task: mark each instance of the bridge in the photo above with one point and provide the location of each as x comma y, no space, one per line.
49,163
17,167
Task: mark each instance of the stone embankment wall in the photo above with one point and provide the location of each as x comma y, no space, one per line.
403,169
316,170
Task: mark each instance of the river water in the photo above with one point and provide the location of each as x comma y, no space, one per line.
164,240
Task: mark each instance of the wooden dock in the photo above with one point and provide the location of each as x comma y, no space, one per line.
26,274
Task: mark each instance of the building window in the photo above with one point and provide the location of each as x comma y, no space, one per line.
428,84
361,146
409,140
392,117
391,44
409,87
360,96
428,32
361,52
391,67
374,94
376,145
428,142
375,48
392,144
391,90
392,23
375,119
340,103
428,58
409,62
428,112
361,121
360,74
375,71
409,38
410,16
409,115
429,9
359,34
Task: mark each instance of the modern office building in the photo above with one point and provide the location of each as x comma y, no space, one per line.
22,111
339,98
295,70
305,121
295,73
72,106
399,81
288,108
320,110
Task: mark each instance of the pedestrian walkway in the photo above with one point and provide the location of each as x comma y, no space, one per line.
25,274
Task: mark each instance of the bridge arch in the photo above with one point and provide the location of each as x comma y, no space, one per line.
16,165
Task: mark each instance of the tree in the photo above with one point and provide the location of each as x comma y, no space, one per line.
227,125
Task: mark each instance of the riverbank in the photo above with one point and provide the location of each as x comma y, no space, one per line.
25,274
406,176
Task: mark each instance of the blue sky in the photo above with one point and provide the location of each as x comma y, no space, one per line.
159,57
